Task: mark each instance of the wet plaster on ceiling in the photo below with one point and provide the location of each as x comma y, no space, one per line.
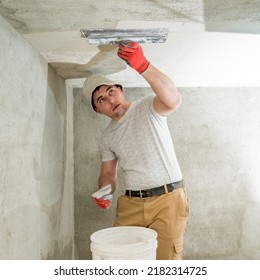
210,42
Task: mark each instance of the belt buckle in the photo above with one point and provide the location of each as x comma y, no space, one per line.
141,195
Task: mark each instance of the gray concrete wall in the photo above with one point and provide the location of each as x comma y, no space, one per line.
36,198
216,133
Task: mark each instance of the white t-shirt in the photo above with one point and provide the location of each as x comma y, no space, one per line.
142,144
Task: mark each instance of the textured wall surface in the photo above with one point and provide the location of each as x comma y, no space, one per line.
36,202
216,132
217,139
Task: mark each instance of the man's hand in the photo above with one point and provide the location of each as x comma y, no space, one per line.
103,197
133,54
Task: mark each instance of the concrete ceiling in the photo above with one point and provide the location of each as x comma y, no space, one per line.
210,42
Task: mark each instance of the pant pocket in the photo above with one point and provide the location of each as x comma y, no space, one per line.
184,205
177,250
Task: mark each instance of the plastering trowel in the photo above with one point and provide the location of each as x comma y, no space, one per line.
115,36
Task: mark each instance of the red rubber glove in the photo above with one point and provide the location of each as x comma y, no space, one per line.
133,54
104,201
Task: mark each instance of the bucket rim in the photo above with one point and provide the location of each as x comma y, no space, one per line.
140,243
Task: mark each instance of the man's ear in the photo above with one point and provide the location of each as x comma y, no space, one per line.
97,111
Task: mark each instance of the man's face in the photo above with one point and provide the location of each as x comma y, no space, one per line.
109,100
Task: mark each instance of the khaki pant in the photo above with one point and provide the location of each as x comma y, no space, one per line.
167,214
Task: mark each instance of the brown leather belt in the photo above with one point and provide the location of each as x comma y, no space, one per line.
155,191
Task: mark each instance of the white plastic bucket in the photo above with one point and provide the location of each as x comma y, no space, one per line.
124,243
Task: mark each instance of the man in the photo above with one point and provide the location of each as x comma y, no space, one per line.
138,139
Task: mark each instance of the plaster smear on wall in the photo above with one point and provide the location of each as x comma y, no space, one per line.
191,55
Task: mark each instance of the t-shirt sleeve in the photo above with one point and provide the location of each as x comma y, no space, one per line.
106,153
148,103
